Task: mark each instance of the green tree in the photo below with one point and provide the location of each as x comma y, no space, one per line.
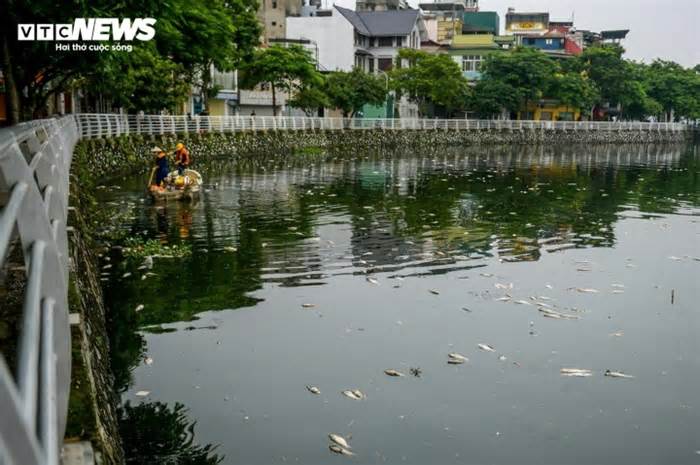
492,96
431,81
574,90
349,92
675,88
284,68
309,99
191,36
529,71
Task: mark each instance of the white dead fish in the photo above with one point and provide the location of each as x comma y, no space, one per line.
586,290
148,262
338,439
393,373
576,372
313,390
372,280
617,334
142,267
142,393
359,394
139,307
456,356
521,302
148,361
502,358
351,394
617,374
308,305
486,347
107,267
126,275
230,249
335,448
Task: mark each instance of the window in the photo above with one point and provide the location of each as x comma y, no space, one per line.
566,116
548,41
472,62
384,64
274,4
546,116
274,23
386,41
371,65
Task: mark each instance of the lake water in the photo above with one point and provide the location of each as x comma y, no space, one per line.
328,273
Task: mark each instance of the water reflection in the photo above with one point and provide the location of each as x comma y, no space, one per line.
467,223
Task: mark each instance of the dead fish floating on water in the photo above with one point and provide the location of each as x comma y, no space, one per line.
354,394
586,290
335,448
486,347
617,374
434,291
576,372
393,373
139,307
338,439
456,359
308,305
313,390
372,280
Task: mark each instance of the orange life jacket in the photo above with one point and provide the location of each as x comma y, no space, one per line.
182,156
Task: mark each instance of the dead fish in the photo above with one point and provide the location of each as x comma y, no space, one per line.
308,305
504,299
142,393
230,249
335,448
586,290
126,275
139,307
351,394
359,394
456,356
148,361
617,374
434,291
141,268
372,280
503,286
393,373
338,439
455,361
576,372
313,390
502,358
521,302
107,267
486,347
144,277
148,262
617,334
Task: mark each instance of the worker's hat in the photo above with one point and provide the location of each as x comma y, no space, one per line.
179,146
156,149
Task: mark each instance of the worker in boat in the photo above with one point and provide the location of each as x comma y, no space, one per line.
182,158
162,168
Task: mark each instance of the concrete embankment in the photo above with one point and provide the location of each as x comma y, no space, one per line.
105,156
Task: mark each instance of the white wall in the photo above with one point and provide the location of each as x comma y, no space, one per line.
334,36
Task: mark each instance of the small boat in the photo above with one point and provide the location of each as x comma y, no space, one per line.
178,187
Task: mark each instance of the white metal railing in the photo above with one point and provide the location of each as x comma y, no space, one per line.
107,125
34,164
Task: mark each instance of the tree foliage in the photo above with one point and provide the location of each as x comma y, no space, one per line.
434,82
283,68
191,37
349,92
309,98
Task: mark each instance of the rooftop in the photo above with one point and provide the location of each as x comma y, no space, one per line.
381,23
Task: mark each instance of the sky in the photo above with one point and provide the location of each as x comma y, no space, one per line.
668,29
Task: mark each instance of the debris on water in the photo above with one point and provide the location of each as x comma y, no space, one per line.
313,390
372,280
466,309
139,307
503,286
415,372
394,373
502,358
434,291
142,393
354,394
673,296
617,374
148,361
335,448
576,372
338,439
486,347
308,305
587,290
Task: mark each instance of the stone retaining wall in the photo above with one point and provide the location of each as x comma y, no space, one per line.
107,156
